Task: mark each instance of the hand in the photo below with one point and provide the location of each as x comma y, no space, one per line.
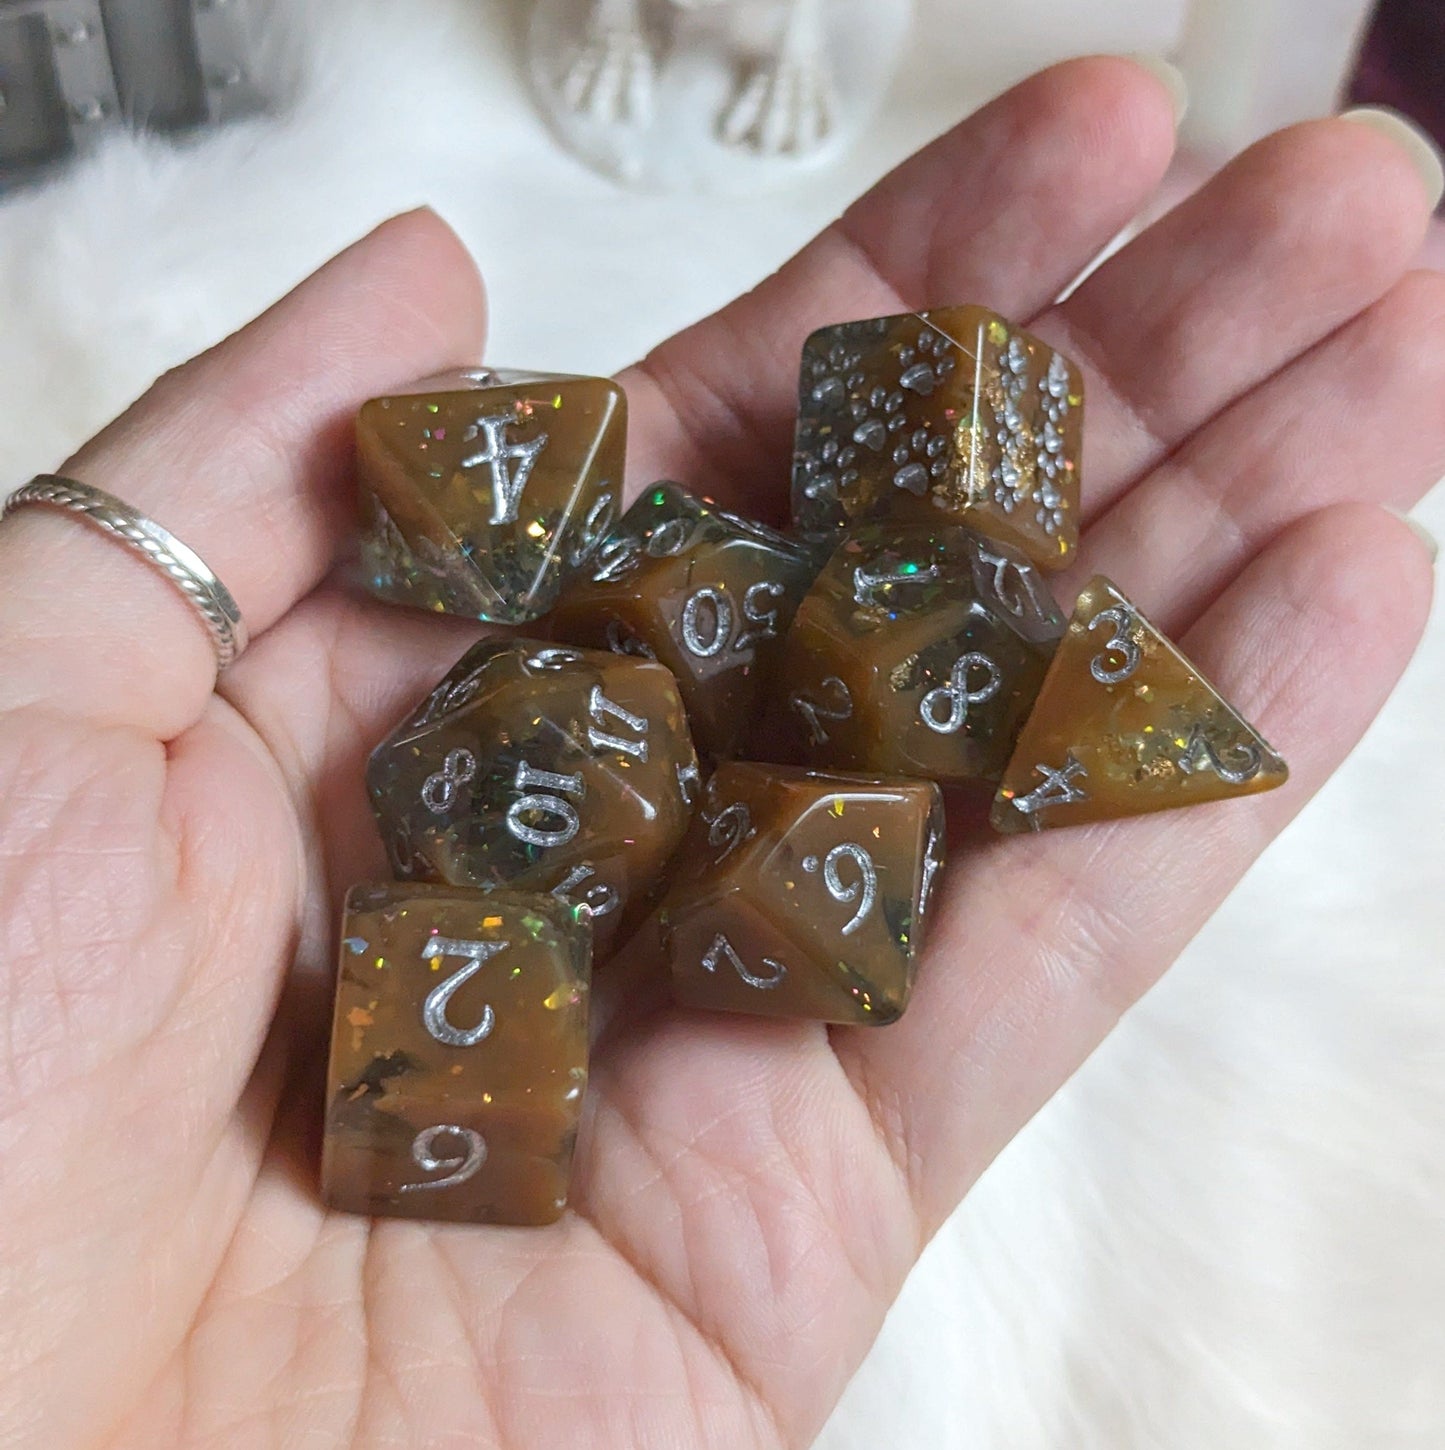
1264,380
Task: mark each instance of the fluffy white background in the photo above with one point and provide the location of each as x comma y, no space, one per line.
1227,1230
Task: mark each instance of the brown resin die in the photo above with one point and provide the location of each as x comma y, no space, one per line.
458,1055
947,416
918,651
1124,725
803,894
483,492
542,768
705,592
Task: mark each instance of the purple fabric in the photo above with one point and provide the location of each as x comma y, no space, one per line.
1402,63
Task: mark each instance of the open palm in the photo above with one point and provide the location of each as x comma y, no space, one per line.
1263,376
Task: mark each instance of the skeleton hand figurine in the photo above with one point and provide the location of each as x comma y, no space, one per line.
786,106
612,75
712,94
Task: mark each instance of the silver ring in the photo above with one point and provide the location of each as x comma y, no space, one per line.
182,566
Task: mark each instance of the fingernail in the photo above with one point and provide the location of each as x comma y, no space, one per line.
1169,76
1432,545
1415,143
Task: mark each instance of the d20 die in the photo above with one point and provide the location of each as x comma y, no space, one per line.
803,894
545,769
482,492
917,652
947,416
1124,724
707,593
458,1055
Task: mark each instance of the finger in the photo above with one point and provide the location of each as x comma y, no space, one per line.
1006,210
1280,248
1294,445
1042,942
243,454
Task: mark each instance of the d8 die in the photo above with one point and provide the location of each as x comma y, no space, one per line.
483,492
545,769
802,894
917,652
458,1055
707,593
947,416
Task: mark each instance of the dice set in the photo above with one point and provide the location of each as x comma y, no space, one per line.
735,735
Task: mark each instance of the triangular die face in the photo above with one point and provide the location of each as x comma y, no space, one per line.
1124,725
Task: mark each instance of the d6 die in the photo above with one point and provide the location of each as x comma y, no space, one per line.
947,416
917,652
803,894
707,593
458,1055
483,492
542,768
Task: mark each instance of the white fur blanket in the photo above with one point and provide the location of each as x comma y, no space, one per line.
1227,1231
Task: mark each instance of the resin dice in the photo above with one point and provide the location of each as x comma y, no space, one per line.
545,769
947,416
482,493
707,593
1124,724
803,894
458,1055
917,652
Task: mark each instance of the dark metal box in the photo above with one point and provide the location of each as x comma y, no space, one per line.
69,68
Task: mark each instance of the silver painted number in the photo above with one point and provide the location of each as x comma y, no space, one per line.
1058,788
865,886
1121,642
1201,753
476,955
495,454
865,583
600,521
707,622
439,790
544,794
814,712
457,1169
728,828
602,709
760,609
1022,599
722,950
946,708
599,898
616,559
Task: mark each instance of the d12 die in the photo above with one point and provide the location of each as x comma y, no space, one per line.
803,894
545,769
707,593
947,416
458,1055
483,492
1124,724
917,652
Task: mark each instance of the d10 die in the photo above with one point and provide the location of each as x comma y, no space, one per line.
917,652
707,593
483,492
1124,724
545,769
803,894
458,1055
947,416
